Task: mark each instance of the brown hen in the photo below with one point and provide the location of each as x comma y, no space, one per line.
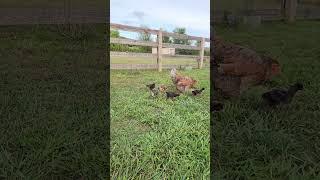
182,83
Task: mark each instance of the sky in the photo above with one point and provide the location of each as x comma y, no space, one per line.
194,15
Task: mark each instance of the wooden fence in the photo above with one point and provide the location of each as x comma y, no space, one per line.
146,66
53,15
159,42
291,11
134,54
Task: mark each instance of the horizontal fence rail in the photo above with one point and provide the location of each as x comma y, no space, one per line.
57,15
158,44
133,29
180,46
155,32
149,66
300,11
266,14
134,54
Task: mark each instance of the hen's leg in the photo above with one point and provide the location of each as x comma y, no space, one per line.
180,89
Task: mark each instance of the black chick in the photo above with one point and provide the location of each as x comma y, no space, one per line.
196,92
278,96
151,86
172,95
153,90
216,106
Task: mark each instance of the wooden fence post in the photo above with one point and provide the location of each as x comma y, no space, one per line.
291,9
283,9
159,54
202,42
67,13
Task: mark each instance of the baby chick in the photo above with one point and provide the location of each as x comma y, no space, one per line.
196,92
216,106
172,95
156,90
279,96
151,86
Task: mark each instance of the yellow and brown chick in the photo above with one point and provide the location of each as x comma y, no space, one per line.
156,90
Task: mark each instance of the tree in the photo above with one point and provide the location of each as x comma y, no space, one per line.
166,39
143,36
114,33
180,30
198,42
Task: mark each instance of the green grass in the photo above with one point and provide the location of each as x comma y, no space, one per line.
284,143
155,138
52,104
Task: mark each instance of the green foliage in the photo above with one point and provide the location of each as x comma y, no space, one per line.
114,34
166,39
129,48
180,30
143,36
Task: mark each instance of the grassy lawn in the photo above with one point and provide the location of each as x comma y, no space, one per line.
155,138
153,60
284,143
53,104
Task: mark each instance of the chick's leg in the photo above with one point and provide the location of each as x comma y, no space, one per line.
179,88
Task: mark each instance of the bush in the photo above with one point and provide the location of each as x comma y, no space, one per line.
130,48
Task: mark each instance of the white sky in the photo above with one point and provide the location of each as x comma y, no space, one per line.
194,15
